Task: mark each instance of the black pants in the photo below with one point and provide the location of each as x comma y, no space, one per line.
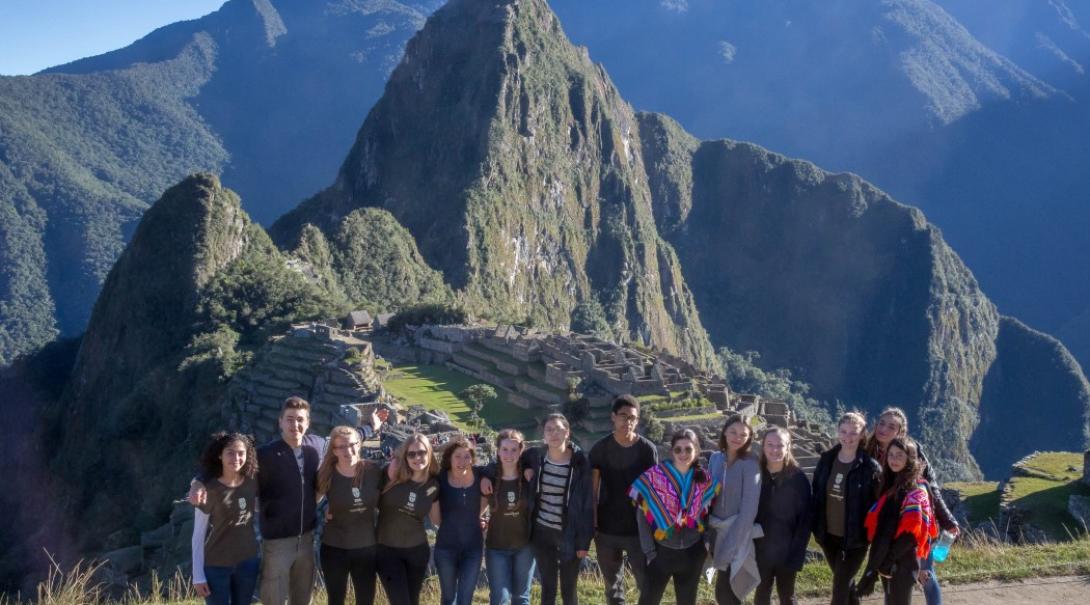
784,580
681,565
546,544
402,571
611,551
724,594
844,563
898,589
340,563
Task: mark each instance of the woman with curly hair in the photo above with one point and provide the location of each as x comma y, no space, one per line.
459,545
224,546
348,543
891,423
900,525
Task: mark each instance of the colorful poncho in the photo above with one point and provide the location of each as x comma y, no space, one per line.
916,518
671,500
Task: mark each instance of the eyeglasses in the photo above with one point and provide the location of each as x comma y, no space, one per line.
351,445
628,417
416,454
688,449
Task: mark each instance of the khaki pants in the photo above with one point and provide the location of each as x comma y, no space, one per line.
287,570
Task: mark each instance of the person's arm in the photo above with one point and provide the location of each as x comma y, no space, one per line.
200,530
801,536
197,495
434,514
647,541
742,527
584,517
596,482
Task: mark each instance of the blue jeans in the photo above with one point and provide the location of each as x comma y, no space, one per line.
458,571
232,585
510,575
931,591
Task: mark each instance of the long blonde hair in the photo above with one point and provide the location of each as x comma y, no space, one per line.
329,461
404,471
789,462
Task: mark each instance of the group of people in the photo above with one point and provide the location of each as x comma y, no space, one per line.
746,514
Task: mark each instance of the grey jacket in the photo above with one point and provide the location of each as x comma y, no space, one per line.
740,495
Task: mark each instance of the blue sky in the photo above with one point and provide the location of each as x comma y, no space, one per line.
35,34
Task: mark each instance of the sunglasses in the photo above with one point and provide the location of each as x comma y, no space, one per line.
683,450
416,454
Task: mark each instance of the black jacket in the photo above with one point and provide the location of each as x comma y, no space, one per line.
286,496
579,514
861,492
934,490
784,515
886,553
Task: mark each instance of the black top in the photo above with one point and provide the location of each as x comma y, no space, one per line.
618,467
461,512
859,494
354,510
784,515
287,494
509,524
402,510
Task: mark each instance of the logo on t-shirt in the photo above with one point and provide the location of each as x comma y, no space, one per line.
510,497
412,500
242,503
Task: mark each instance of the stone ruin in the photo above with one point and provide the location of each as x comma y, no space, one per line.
540,371
329,367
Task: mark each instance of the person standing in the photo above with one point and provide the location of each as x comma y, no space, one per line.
509,559
349,549
286,479
616,461
892,423
673,499
224,545
900,525
406,500
784,516
563,518
459,545
734,512
844,487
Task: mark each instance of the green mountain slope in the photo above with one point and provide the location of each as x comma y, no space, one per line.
515,165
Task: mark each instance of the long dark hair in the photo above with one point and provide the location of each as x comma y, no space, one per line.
210,458
699,474
872,446
733,419
910,474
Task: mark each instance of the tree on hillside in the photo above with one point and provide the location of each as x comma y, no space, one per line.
477,395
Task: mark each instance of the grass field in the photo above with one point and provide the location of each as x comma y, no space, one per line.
971,560
981,499
1054,477
436,387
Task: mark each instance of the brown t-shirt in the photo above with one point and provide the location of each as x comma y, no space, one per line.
231,538
508,527
835,490
401,513
353,510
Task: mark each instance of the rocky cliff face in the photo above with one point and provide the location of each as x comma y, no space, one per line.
824,273
517,167
196,283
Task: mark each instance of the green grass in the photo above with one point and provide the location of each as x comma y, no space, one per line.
981,499
1045,493
436,387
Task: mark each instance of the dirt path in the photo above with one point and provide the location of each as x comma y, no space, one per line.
1065,590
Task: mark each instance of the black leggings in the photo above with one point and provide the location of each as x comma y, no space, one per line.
402,571
546,544
340,563
898,589
783,577
681,565
844,563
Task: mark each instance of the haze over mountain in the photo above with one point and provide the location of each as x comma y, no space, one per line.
976,112
268,94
